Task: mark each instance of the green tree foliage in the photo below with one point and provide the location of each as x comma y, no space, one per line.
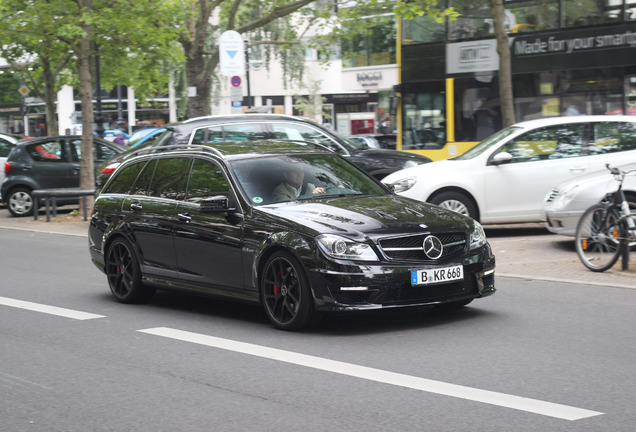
135,40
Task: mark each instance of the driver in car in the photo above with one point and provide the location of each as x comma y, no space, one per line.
293,186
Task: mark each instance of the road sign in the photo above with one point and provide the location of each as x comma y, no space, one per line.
231,53
236,81
24,90
236,93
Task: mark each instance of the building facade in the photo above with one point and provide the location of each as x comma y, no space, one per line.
568,57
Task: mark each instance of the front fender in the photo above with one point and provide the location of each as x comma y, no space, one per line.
301,247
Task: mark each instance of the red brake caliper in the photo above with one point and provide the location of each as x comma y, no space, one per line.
276,287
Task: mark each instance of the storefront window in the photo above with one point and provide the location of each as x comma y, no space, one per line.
474,21
372,48
535,15
423,30
591,12
424,125
477,108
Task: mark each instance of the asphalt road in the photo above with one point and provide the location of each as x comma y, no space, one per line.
536,356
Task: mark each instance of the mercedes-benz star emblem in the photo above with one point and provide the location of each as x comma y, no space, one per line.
432,247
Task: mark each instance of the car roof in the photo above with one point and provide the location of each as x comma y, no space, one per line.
48,138
549,121
246,149
189,125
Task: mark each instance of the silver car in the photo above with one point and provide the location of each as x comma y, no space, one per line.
566,202
7,143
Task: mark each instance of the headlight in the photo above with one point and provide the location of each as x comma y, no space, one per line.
565,197
342,248
404,184
478,238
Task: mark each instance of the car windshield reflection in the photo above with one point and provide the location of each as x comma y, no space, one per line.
301,177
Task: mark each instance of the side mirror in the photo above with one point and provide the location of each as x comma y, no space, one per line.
501,158
215,204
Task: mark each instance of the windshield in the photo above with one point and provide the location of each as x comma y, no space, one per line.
493,139
266,180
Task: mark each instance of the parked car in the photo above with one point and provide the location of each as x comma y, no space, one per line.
505,178
384,141
564,205
143,136
7,143
47,163
210,220
110,134
254,127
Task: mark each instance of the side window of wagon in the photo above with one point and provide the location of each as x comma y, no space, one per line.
170,178
124,180
206,180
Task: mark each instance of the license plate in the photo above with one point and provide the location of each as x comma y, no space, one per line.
435,276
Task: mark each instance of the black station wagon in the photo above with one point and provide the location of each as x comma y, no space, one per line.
294,227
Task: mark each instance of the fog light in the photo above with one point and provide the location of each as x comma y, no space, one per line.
358,288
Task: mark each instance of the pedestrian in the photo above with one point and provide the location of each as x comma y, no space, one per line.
119,138
385,128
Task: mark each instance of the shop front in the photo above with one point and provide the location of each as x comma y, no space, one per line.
569,72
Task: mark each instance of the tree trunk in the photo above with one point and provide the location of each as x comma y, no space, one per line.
49,98
198,105
505,73
87,174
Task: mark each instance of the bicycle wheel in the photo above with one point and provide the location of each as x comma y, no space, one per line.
598,237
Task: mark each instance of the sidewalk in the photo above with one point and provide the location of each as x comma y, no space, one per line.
525,251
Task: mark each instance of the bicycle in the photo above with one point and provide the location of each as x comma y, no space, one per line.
607,230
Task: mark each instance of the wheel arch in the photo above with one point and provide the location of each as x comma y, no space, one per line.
278,243
458,190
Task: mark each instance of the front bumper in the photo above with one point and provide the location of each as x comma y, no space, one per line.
382,286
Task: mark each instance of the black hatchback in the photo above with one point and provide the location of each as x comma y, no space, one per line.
254,127
300,230
47,163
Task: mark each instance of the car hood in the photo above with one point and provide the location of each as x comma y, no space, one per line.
359,217
433,170
392,154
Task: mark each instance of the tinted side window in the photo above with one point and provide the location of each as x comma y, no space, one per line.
206,180
610,137
142,185
233,132
305,133
51,151
170,178
103,152
5,148
552,142
123,181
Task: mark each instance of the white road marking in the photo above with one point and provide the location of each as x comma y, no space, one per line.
494,398
51,310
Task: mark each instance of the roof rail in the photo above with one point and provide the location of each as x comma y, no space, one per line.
318,146
176,147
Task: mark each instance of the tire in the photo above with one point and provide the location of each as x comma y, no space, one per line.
598,238
124,275
457,202
285,293
20,202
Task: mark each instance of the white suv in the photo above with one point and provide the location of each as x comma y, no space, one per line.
505,178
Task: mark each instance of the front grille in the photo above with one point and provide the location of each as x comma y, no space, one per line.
410,247
405,293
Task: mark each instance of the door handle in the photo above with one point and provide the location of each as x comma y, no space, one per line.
136,207
185,217
578,169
